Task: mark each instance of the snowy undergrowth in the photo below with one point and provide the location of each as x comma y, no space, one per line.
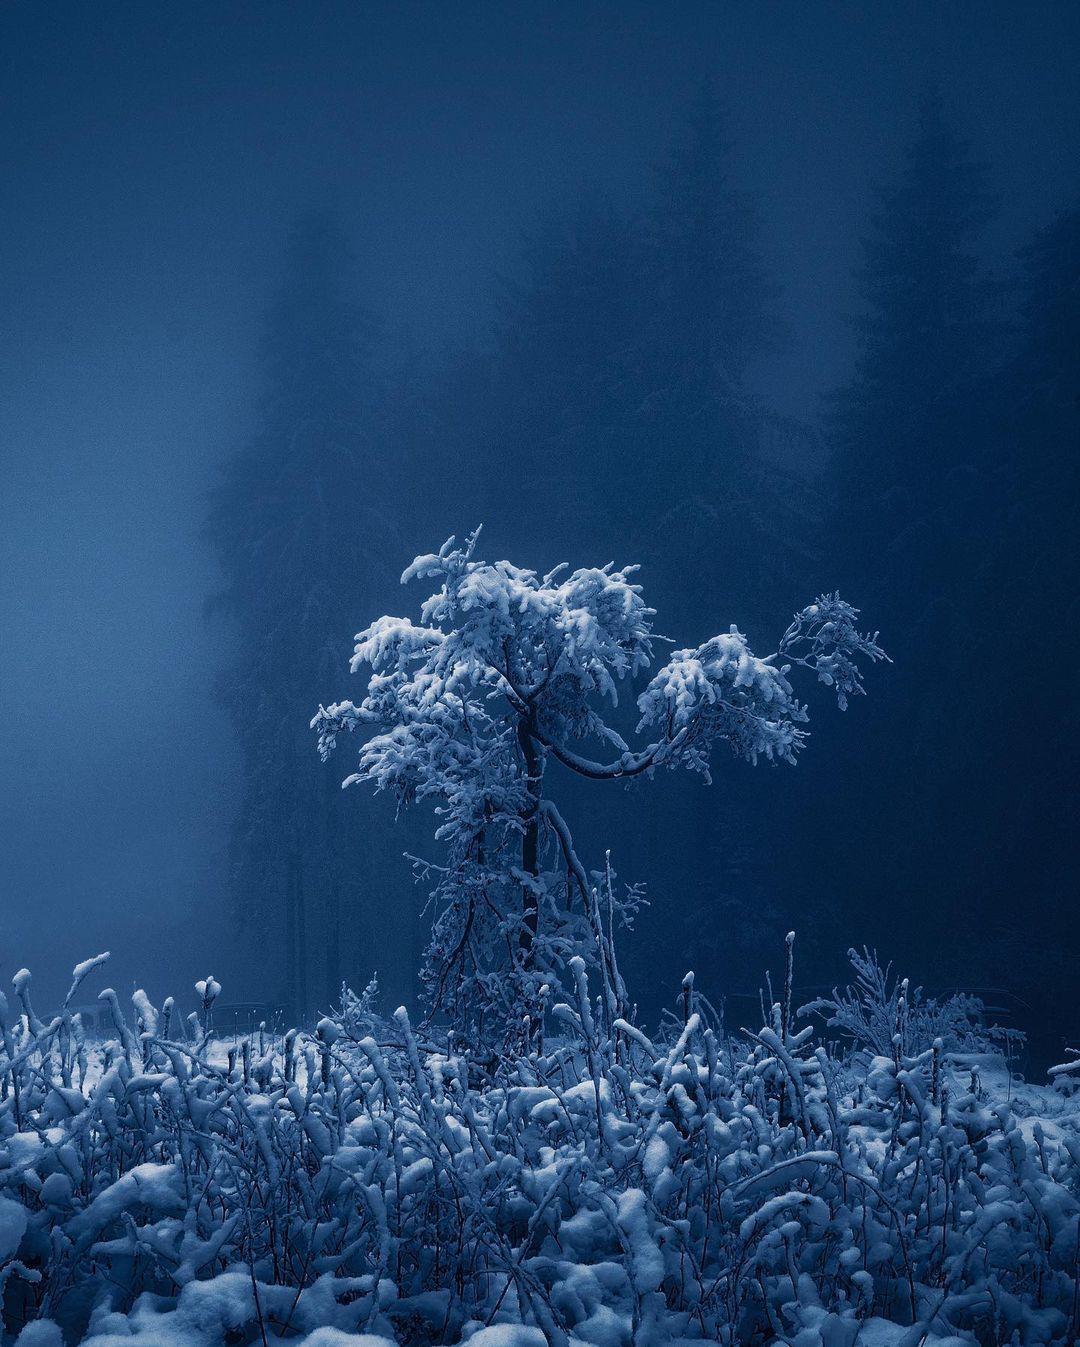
155,1191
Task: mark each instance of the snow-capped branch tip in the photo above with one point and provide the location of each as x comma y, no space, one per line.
81,972
438,563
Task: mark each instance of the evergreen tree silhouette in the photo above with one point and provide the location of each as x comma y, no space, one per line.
615,417
1032,792
299,524
903,440
914,489
566,371
701,435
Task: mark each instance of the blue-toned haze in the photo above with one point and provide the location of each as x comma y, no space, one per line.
155,160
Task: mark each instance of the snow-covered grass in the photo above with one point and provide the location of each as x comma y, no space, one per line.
161,1188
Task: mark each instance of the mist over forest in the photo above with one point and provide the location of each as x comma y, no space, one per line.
716,364
293,297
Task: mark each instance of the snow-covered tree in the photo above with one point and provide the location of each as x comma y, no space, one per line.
507,672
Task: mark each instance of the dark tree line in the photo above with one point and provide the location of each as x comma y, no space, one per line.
952,484
611,415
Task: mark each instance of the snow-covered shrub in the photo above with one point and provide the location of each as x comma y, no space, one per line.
1066,1075
884,1015
357,1014
608,1190
506,672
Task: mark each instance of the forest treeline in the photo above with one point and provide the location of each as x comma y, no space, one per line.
611,414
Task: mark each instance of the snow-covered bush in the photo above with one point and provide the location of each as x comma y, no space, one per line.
357,1014
506,671
884,1015
1066,1075
163,1187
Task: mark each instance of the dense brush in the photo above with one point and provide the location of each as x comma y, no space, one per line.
751,1188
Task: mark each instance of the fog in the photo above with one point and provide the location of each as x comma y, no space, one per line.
156,160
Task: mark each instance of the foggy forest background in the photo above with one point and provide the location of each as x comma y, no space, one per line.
614,408
612,415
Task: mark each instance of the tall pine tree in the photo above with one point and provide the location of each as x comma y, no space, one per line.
1032,790
730,517
914,481
618,416
565,373
905,443
299,525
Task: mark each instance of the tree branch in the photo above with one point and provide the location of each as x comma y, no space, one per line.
630,764
558,826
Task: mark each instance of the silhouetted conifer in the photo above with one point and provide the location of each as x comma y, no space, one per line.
298,522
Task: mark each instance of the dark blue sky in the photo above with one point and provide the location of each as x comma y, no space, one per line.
152,158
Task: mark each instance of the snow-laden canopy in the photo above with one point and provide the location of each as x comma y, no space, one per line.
507,669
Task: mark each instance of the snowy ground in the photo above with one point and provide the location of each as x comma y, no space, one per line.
330,1188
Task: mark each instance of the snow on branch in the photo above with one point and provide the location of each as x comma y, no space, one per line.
825,637
508,670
